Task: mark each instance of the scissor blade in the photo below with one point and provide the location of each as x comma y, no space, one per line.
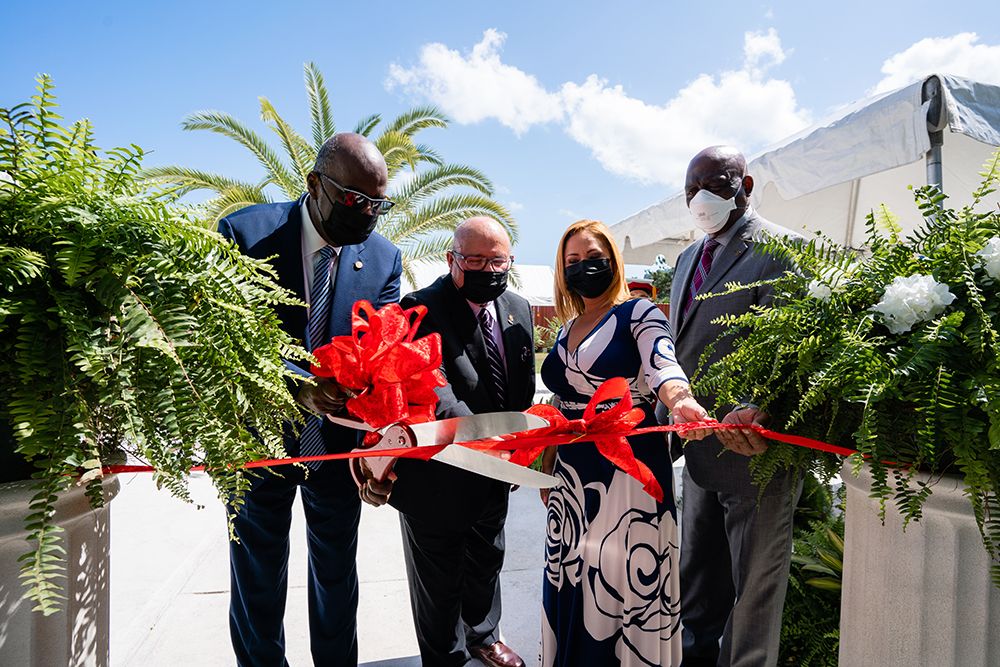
474,427
495,468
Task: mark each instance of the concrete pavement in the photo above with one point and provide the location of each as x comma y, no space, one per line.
170,581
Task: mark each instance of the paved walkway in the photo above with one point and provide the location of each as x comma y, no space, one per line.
170,581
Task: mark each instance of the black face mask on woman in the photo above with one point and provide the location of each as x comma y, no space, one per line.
483,286
347,226
589,278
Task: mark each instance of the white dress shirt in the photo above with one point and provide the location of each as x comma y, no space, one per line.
312,243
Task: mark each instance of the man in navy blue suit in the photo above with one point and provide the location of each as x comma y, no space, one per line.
324,250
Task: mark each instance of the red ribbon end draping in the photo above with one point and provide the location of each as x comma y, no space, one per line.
392,375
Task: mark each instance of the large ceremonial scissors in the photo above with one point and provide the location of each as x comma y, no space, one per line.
447,432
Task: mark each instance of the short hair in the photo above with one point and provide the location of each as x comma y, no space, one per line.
568,303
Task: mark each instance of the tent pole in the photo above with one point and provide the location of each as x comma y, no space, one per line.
932,94
852,212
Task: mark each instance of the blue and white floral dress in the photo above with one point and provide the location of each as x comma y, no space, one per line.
611,594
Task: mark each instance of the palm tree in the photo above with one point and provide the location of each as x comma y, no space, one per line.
431,196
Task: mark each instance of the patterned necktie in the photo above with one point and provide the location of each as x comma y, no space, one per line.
311,439
701,271
498,375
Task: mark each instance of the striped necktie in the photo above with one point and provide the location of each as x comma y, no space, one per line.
311,440
701,271
498,374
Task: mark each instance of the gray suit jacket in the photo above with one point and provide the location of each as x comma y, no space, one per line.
709,464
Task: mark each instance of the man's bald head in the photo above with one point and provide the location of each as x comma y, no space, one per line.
477,230
354,162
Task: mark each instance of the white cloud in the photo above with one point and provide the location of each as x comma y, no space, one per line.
515,205
477,86
959,54
761,51
628,136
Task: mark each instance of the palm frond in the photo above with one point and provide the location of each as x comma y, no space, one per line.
301,154
228,126
188,180
230,201
416,119
323,126
444,213
367,124
427,183
398,150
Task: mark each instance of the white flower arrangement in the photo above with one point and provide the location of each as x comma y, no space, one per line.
820,290
990,258
911,299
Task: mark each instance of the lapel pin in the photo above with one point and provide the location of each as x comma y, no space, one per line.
358,264
510,318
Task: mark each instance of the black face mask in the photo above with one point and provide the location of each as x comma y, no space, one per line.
346,225
589,278
483,286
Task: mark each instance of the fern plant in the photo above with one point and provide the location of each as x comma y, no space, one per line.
124,327
431,196
893,349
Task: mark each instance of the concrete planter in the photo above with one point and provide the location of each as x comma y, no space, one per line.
79,634
919,597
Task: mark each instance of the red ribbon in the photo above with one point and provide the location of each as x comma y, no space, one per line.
608,430
393,375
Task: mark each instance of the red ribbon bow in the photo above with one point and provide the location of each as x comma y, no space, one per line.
393,375
605,429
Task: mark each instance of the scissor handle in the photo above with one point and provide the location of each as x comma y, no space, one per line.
395,436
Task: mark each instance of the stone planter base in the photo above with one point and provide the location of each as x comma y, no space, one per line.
79,634
919,597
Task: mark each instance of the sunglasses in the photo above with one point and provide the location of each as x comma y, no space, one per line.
359,200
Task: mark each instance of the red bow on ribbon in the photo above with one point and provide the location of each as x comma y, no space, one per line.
605,429
393,375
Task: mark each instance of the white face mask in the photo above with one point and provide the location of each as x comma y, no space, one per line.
710,211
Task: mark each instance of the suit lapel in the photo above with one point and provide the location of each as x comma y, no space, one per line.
679,290
288,265
513,343
345,288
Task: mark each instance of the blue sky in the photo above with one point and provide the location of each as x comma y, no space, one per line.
584,109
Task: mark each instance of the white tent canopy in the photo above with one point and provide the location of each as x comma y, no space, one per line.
830,176
534,280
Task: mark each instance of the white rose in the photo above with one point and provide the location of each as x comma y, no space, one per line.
818,290
911,299
990,257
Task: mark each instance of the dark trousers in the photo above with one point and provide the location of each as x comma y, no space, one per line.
735,556
454,576
259,567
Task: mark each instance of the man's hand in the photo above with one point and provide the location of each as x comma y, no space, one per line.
686,410
373,492
323,396
744,441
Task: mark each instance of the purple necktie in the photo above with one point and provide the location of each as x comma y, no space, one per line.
498,374
701,271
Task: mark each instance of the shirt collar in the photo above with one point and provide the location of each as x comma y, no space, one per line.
312,242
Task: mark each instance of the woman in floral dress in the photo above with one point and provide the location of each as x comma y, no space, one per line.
610,595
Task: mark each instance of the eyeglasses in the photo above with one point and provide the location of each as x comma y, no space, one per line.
479,263
360,200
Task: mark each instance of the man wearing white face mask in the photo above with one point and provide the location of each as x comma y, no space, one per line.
735,549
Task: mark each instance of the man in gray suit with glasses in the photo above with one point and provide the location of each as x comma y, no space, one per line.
735,541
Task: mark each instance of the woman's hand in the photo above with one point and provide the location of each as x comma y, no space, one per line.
689,410
676,395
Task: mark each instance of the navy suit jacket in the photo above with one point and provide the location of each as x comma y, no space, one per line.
369,270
